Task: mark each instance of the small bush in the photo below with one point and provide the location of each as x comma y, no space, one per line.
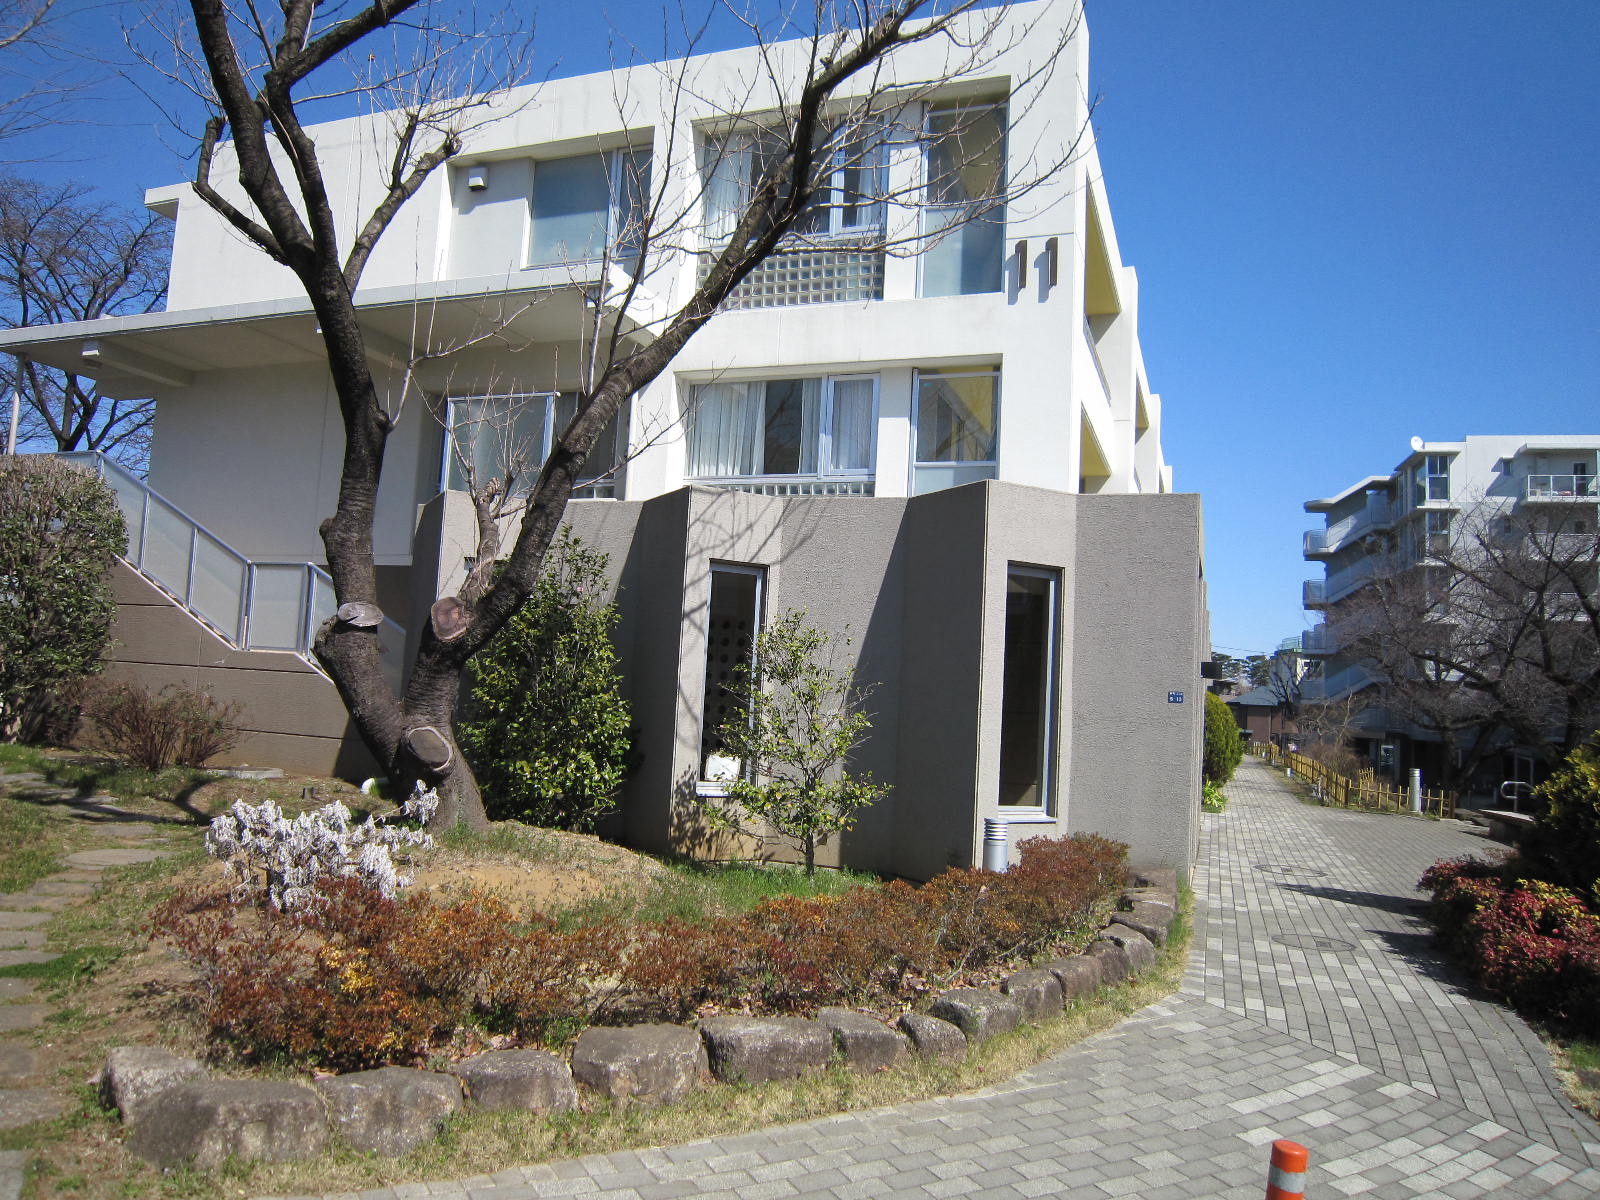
1224,744
1532,943
1212,798
154,730
1564,844
60,530
548,733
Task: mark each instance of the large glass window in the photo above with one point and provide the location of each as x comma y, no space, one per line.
957,427
820,427
508,437
964,217
732,622
849,181
1028,713
584,204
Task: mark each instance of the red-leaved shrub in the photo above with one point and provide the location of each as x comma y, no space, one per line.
1533,944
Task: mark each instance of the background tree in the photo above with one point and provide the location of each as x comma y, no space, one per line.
39,69
261,65
65,257
1491,636
59,531
801,720
1223,746
547,730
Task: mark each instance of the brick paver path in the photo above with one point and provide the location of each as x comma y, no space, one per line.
1314,1008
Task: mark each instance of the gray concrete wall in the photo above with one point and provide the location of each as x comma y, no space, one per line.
292,715
1138,621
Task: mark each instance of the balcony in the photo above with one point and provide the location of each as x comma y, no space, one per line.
1317,593
811,274
1319,641
1376,517
1336,686
1561,489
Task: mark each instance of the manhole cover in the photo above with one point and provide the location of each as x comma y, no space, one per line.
1294,872
1314,941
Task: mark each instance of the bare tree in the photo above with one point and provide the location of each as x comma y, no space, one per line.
1489,633
39,69
65,257
828,105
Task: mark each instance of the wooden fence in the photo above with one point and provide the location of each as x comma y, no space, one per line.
1365,791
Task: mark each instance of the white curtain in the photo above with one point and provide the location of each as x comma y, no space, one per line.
727,176
852,425
724,427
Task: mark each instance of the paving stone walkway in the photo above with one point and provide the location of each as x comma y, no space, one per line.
26,1095
1314,1008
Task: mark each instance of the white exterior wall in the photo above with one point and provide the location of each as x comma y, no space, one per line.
1050,387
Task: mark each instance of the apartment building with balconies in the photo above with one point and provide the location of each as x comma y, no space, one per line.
1410,519
952,451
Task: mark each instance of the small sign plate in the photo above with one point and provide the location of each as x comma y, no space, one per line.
1174,697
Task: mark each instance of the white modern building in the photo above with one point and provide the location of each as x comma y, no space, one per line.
1408,516
953,451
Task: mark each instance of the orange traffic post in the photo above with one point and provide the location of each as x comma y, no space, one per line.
1286,1178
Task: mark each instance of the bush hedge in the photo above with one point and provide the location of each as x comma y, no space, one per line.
361,981
1534,944
1224,744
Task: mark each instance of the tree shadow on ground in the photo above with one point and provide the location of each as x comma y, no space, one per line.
83,795
1404,906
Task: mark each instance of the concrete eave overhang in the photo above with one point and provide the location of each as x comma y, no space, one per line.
149,353
1557,444
1370,483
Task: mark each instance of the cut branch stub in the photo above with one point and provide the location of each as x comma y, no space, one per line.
430,748
450,617
360,614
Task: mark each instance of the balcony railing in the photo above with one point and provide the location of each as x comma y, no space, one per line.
777,486
1319,640
1337,585
1336,686
1557,488
250,604
1377,516
815,274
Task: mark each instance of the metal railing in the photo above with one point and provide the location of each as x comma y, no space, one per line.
250,604
1562,487
1336,686
1319,639
1374,517
792,487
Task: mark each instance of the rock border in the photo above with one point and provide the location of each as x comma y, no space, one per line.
177,1113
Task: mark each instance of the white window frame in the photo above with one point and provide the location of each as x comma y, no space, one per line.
1048,809
616,158
825,468
916,415
928,137
829,185
587,486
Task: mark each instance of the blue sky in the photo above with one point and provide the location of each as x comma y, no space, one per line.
1352,223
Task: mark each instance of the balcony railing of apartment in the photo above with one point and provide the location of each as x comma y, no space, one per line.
250,604
1337,686
1372,519
824,273
783,486
1337,585
1558,488
1319,640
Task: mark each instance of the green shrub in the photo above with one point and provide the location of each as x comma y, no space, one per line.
1212,798
154,730
60,529
548,734
1224,746
1564,844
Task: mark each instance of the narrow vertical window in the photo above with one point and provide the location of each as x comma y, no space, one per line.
732,622
964,215
1028,714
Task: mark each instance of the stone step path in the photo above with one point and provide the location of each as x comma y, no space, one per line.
25,1095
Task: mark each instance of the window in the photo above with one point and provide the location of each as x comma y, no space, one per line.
585,204
732,621
964,216
1028,707
1438,527
849,185
1433,478
957,425
820,427
510,436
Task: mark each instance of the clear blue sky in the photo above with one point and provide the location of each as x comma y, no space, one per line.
1352,223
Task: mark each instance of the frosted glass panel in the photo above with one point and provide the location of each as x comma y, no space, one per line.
277,608
166,548
130,497
219,579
